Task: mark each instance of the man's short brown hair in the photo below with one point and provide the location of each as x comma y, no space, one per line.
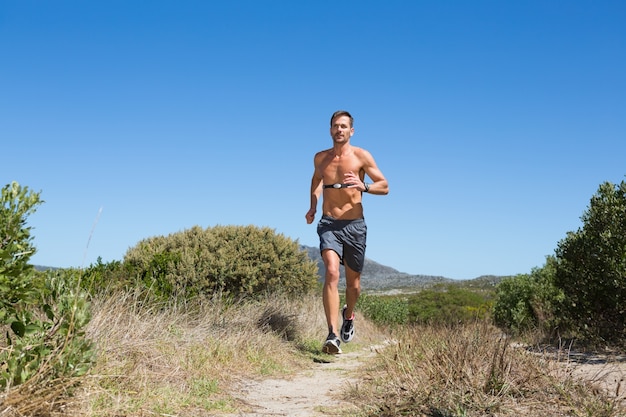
340,113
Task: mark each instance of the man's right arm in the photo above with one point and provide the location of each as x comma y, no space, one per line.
316,192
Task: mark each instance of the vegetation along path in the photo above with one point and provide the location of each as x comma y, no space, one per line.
318,391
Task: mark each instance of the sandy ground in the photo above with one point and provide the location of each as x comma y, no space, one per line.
311,392
604,372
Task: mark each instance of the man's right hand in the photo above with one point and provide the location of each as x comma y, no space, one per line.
310,216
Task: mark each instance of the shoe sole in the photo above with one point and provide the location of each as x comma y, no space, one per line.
331,349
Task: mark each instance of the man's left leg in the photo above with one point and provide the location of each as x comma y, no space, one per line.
353,291
354,260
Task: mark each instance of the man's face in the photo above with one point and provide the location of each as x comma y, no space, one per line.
340,130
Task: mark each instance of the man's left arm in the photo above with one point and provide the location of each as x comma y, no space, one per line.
379,186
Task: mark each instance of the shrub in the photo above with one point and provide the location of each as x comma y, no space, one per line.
231,260
18,283
384,309
513,309
105,278
529,301
42,316
447,304
50,342
591,268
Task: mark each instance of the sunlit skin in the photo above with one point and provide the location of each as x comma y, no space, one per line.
347,164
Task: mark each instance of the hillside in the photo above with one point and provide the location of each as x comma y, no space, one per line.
377,277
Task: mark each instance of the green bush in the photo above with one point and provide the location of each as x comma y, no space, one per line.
231,260
384,309
448,304
18,283
529,301
105,278
513,309
49,340
42,315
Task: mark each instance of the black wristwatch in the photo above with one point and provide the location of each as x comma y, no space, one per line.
367,187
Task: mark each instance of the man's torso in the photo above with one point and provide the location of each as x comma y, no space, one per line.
340,203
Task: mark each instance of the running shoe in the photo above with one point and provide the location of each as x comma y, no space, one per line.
347,327
331,345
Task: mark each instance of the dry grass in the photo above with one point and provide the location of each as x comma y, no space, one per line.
471,371
186,360
39,396
182,360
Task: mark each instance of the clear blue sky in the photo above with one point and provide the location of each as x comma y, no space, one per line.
494,121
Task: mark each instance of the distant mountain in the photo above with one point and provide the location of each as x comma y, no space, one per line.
44,268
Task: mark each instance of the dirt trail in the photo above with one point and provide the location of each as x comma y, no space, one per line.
311,392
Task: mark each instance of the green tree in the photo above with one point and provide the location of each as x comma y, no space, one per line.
591,269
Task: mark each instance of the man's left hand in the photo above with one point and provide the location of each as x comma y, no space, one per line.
353,181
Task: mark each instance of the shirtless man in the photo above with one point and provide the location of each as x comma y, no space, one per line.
340,175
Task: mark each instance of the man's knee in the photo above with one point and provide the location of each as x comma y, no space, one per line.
332,276
353,284
331,263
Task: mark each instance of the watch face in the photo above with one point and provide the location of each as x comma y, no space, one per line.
336,185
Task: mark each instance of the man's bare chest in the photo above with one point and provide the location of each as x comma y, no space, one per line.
336,168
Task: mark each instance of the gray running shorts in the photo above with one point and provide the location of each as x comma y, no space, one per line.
346,237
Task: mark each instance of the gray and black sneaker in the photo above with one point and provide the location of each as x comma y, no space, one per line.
331,345
347,327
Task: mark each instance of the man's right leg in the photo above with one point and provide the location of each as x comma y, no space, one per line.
330,297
